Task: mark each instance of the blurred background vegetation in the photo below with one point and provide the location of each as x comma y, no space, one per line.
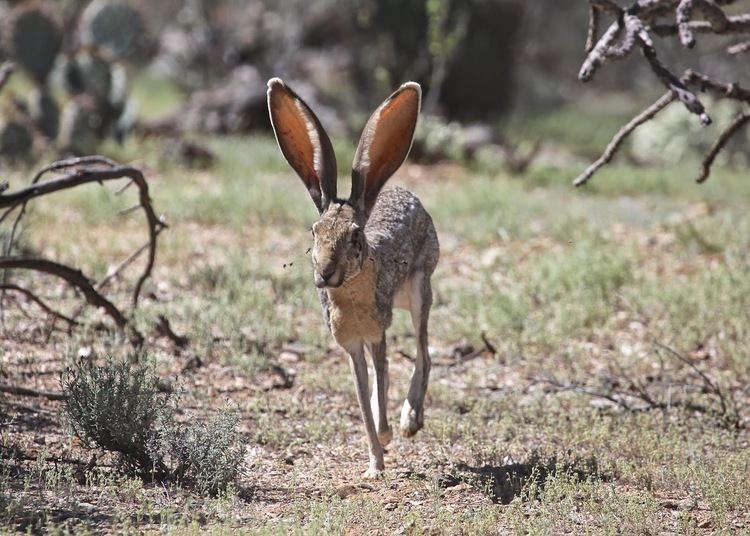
567,325
499,76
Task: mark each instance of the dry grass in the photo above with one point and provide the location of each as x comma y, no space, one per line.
581,285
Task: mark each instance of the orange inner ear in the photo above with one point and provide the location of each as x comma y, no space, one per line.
292,133
391,140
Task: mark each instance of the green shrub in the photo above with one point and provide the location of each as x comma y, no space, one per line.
115,407
207,455
118,407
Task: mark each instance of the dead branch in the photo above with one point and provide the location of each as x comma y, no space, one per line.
729,91
164,328
25,391
87,170
623,398
71,173
738,24
633,28
5,71
739,121
739,48
593,29
112,274
77,280
632,395
728,411
37,300
620,137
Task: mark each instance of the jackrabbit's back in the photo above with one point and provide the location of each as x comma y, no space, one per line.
403,240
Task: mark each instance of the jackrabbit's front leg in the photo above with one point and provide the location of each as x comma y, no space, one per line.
379,399
359,370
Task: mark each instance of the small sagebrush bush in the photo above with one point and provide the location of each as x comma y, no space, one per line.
118,407
204,455
114,407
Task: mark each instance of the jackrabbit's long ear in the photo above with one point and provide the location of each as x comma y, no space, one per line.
384,145
303,141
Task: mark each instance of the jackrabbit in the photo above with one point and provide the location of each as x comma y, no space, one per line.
372,252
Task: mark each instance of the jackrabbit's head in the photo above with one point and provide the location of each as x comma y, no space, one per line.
340,249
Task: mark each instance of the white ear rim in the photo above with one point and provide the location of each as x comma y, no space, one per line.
416,87
316,134
312,130
362,158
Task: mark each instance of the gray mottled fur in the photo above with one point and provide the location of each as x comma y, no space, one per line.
371,253
402,239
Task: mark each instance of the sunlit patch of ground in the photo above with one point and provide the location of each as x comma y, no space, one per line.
631,286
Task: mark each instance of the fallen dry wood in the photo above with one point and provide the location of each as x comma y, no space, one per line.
71,173
25,391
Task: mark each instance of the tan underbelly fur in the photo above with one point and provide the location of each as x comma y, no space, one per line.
353,313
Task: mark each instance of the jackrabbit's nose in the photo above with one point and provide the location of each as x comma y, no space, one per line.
327,271
322,277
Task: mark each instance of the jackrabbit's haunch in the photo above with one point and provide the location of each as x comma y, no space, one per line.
372,252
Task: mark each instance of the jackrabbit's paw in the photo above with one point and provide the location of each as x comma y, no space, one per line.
385,437
410,421
373,473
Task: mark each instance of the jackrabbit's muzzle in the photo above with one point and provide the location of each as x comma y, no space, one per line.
329,278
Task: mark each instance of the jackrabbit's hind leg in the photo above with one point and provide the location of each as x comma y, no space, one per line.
379,398
359,371
412,414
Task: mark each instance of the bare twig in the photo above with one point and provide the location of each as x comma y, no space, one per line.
623,398
730,91
33,297
487,344
76,279
96,169
674,84
25,391
163,327
738,24
739,121
6,70
634,395
633,26
593,28
622,134
739,48
130,259
684,14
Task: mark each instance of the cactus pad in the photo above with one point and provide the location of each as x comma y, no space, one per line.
116,27
16,140
45,112
32,38
80,126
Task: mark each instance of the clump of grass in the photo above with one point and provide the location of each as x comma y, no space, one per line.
118,407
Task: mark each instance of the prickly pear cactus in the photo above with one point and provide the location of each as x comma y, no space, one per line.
115,26
80,126
88,72
45,112
16,140
32,37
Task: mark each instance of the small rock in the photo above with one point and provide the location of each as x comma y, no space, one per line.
289,357
346,491
462,487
